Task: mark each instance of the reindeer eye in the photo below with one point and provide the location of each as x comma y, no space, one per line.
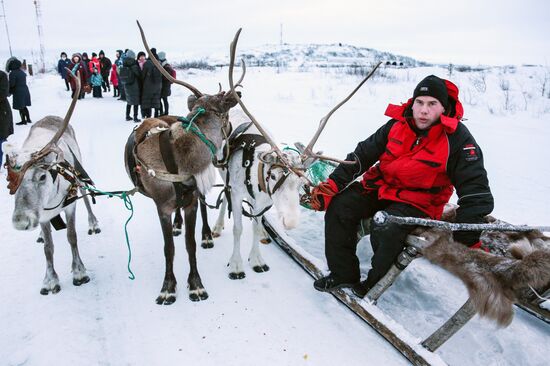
42,177
272,176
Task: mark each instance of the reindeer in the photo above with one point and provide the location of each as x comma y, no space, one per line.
273,178
173,165
40,175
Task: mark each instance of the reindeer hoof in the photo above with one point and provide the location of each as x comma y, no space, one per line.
81,281
237,275
166,299
216,235
176,232
40,239
207,244
198,295
54,290
265,240
261,269
94,230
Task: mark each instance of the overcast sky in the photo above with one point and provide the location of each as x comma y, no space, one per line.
460,31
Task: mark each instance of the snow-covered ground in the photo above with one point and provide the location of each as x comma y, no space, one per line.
273,318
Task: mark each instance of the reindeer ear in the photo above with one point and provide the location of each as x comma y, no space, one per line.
191,101
269,158
230,101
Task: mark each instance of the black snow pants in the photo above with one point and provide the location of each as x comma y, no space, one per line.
342,220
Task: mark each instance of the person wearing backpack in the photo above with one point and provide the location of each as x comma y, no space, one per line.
130,77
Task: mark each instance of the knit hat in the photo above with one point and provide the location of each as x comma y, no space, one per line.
101,53
432,86
130,54
162,55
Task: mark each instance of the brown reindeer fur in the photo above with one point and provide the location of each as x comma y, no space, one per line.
494,282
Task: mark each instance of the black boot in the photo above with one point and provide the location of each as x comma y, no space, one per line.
360,289
136,119
22,115
27,115
128,107
329,283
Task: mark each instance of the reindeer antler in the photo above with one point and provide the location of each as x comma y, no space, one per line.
308,151
274,147
166,74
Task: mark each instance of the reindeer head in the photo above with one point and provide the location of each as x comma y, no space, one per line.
209,112
33,187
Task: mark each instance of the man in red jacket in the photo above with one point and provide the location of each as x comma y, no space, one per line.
409,166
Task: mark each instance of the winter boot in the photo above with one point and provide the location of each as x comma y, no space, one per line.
329,283
128,107
136,119
27,115
360,289
22,115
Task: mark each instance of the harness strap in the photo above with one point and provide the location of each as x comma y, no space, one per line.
261,178
182,190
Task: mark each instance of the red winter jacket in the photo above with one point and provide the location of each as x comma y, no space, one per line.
420,168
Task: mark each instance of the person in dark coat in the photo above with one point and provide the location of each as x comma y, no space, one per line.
84,58
166,89
119,64
61,65
130,76
18,88
152,85
105,67
6,119
78,65
410,166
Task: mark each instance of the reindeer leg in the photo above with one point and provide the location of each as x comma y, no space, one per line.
196,289
265,238
206,241
255,258
236,270
40,238
178,223
79,271
218,228
51,281
93,226
167,294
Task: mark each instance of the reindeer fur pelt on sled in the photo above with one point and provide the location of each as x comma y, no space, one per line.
494,282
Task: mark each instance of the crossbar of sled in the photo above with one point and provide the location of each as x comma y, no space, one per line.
417,354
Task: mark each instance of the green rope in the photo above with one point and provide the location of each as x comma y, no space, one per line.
192,127
124,196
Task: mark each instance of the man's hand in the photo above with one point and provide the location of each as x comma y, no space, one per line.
322,195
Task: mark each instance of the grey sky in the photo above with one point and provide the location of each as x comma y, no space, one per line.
460,31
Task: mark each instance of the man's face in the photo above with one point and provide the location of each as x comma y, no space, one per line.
426,111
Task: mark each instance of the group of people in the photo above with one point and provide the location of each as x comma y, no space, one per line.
134,79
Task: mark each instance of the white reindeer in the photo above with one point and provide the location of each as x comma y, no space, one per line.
271,183
37,176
